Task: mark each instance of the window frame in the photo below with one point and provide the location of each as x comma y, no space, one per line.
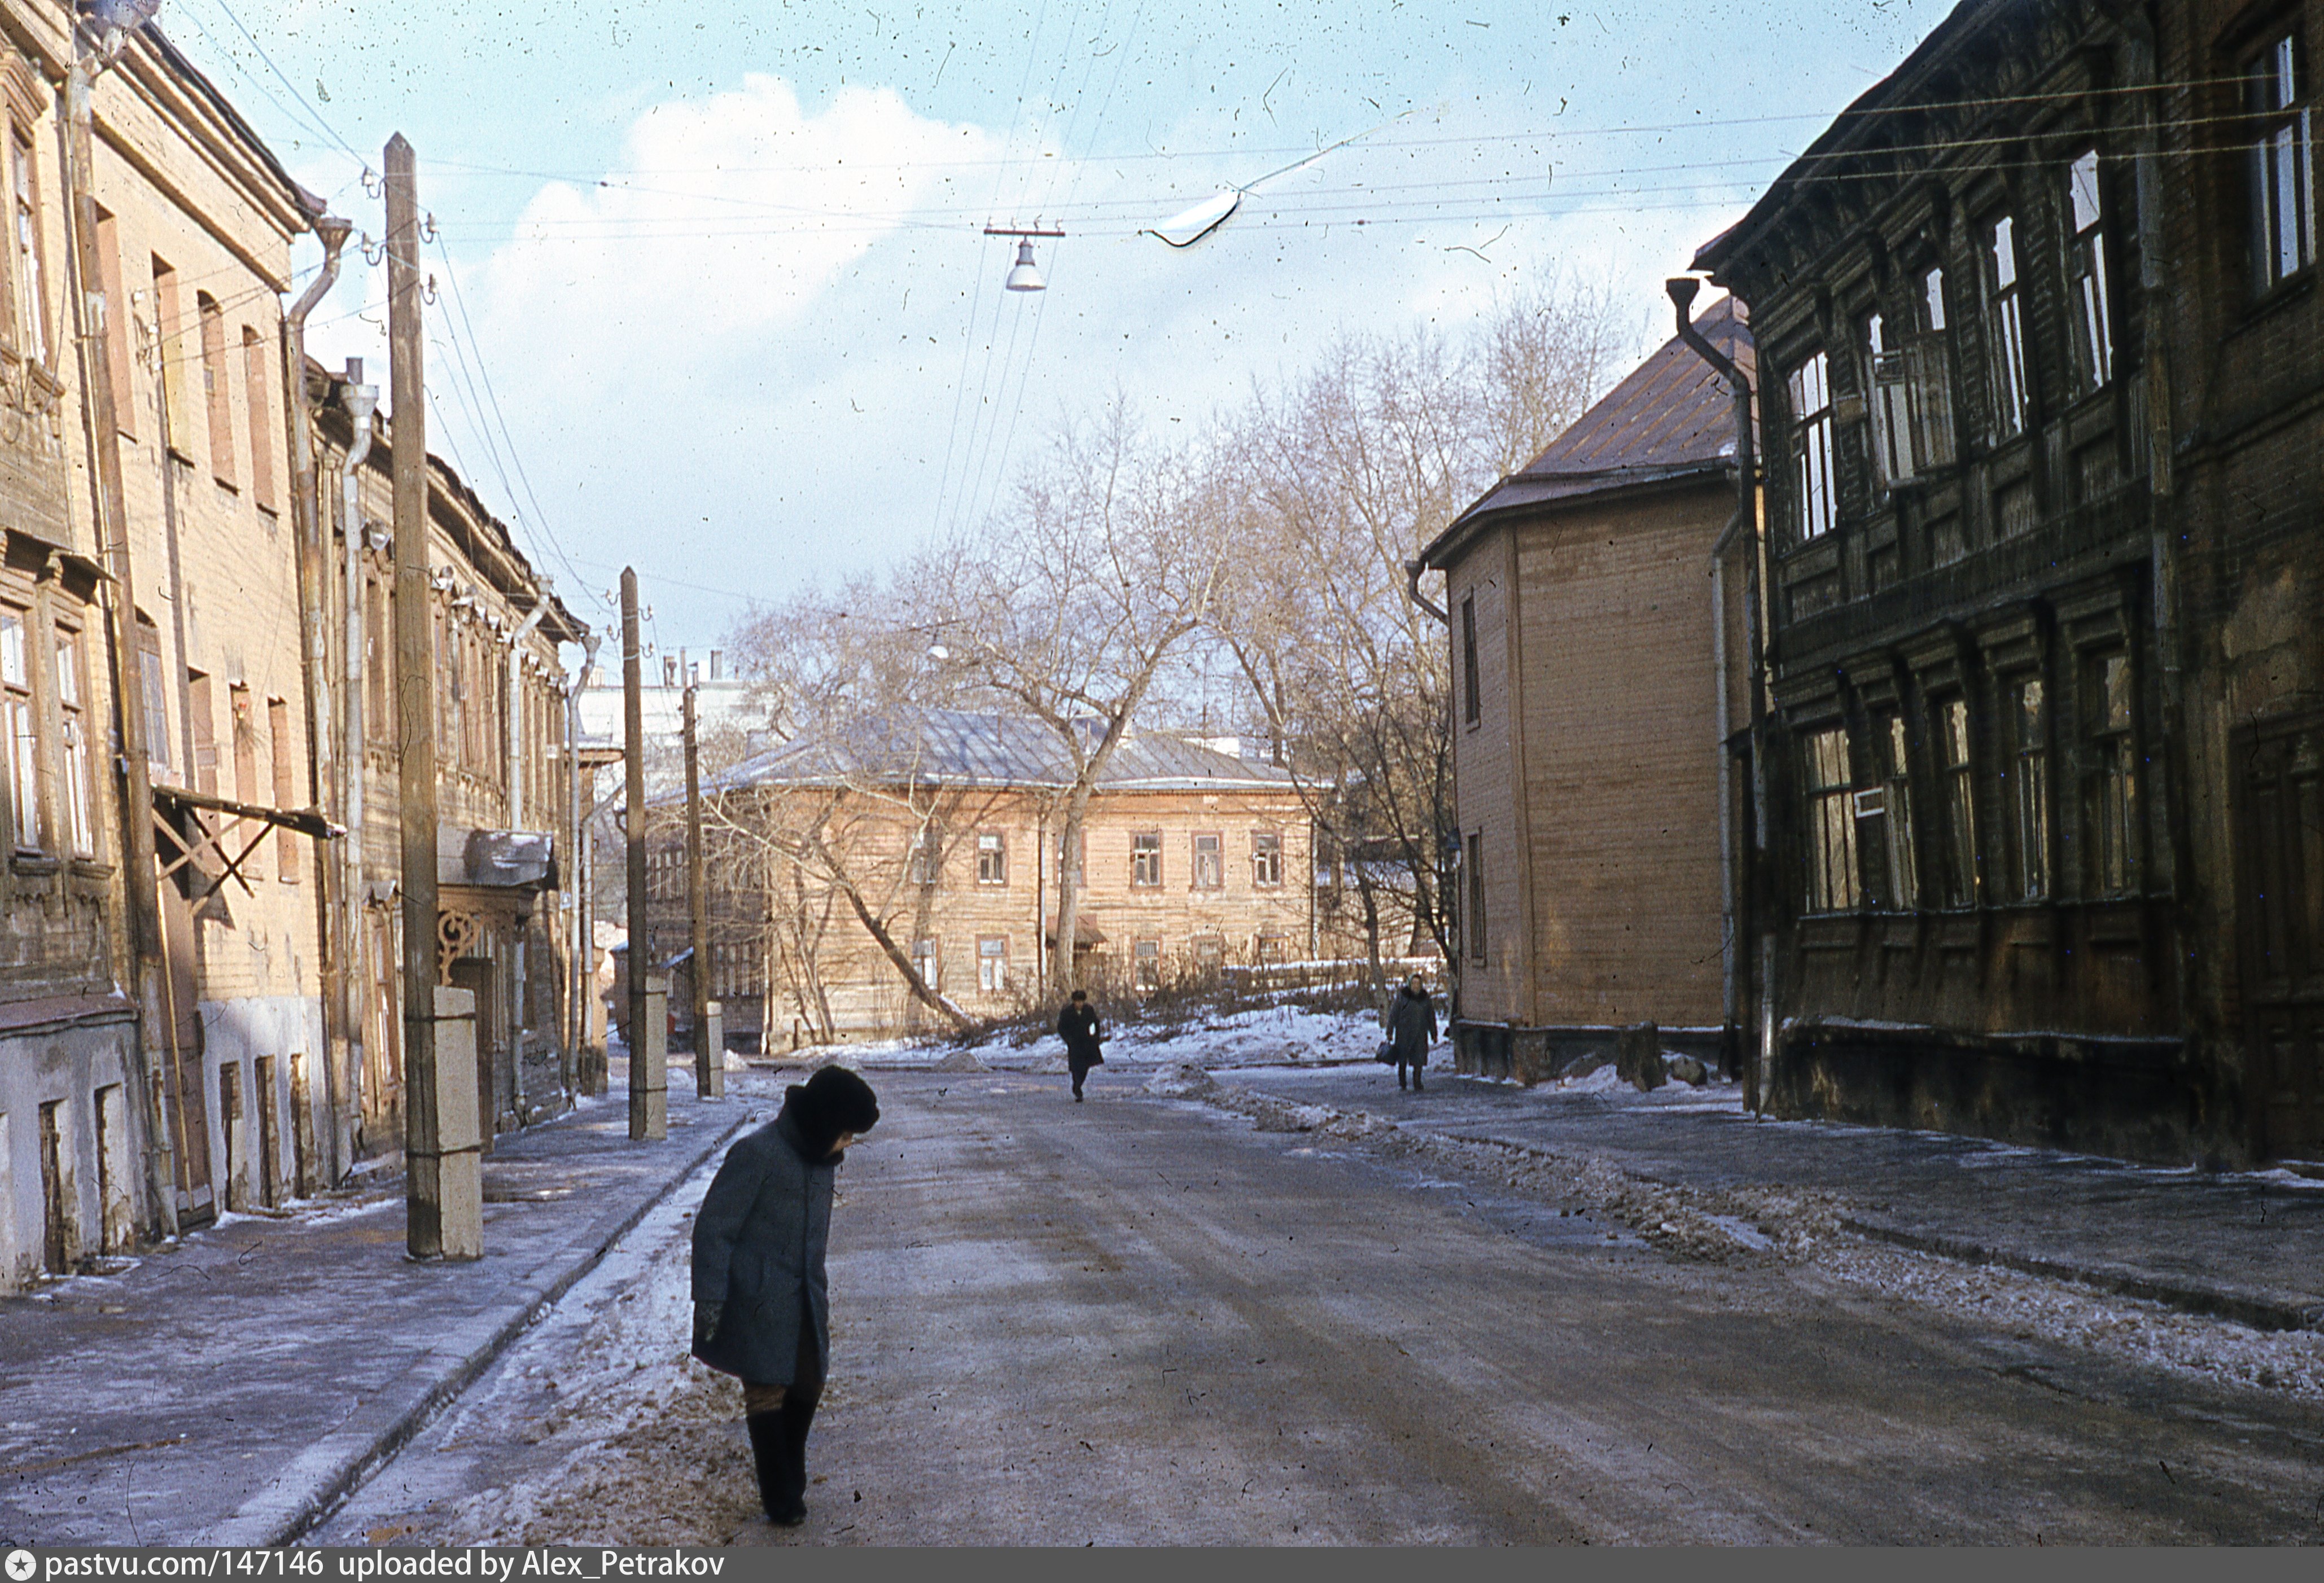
2111,800
1953,736
2088,283
1815,502
1145,963
1145,859
992,964
20,722
77,788
1471,708
1209,864
37,334
992,858
1832,869
1892,761
1266,859
2032,838
1473,860
2009,373
2282,164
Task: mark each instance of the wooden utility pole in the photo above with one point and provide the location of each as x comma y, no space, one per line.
439,1173
94,316
649,1079
706,1059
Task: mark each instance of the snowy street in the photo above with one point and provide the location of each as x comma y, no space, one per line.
1145,1319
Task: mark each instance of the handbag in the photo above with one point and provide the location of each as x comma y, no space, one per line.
1386,1056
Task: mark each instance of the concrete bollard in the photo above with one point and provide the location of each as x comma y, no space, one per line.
457,1164
710,1055
650,1064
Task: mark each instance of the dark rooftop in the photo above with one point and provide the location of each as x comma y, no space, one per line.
1673,418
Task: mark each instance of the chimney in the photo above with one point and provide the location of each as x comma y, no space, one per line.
718,665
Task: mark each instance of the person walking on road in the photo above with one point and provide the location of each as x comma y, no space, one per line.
1411,1029
761,1308
1077,1026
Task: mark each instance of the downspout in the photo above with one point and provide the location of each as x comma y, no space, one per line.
1739,865
314,563
1453,973
361,400
581,971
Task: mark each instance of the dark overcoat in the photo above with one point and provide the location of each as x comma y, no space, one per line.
1077,1026
1411,1027
759,1244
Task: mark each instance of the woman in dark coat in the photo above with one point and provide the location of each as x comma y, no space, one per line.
1411,1029
1077,1026
761,1310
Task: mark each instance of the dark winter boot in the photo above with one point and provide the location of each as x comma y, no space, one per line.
1416,1084
767,1451
789,1505
1400,1081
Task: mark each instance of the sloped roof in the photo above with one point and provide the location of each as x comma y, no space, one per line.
956,747
1672,418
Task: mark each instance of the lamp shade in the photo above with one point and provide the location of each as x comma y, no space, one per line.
1024,277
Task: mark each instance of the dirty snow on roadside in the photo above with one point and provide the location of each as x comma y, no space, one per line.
631,1442
1802,1229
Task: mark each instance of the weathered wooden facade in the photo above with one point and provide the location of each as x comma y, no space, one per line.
2044,393
1596,806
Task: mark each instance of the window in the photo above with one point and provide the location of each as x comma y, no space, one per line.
169,324
1813,508
1470,709
156,693
992,858
1832,886
1891,411
215,390
925,962
2284,176
16,717
2005,330
1209,955
926,859
117,321
80,815
256,380
286,787
1958,788
376,703
1265,858
1929,375
2112,794
31,308
1266,949
204,725
2085,274
1210,861
1473,860
1145,857
2032,728
992,964
1896,805
1146,959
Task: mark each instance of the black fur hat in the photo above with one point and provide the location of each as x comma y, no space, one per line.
832,1101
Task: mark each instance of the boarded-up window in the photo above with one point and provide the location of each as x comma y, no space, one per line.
247,789
1473,861
285,750
216,394
199,705
154,685
32,297
117,357
256,382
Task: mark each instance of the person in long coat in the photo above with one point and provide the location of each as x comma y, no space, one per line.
1411,1029
762,1307
1077,1026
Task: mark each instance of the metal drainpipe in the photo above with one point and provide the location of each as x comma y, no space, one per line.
1738,885
582,975
361,401
314,582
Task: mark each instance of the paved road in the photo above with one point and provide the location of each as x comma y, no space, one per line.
1139,1321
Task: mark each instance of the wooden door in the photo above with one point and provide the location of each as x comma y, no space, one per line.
2280,852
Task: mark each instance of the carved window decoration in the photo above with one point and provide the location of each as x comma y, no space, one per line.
32,306
1896,813
456,935
2029,716
2086,271
1958,787
1832,874
2283,166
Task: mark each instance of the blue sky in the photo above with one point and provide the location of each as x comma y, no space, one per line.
713,295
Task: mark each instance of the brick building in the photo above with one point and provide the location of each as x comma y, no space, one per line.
2044,394
1192,861
1594,804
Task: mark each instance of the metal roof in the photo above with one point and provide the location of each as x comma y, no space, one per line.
956,747
1672,418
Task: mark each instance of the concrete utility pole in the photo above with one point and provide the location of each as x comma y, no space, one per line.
92,314
649,1065
709,1054
443,1184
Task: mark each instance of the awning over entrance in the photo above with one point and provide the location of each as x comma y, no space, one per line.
1086,933
499,860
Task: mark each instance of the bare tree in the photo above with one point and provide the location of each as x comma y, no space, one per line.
1068,605
1348,472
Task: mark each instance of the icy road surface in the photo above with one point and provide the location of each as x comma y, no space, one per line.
1140,1321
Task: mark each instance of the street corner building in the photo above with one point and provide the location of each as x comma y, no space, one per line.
1595,600
2044,397
908,877
174,954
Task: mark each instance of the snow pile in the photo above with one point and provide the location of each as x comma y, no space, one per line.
1183,1080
